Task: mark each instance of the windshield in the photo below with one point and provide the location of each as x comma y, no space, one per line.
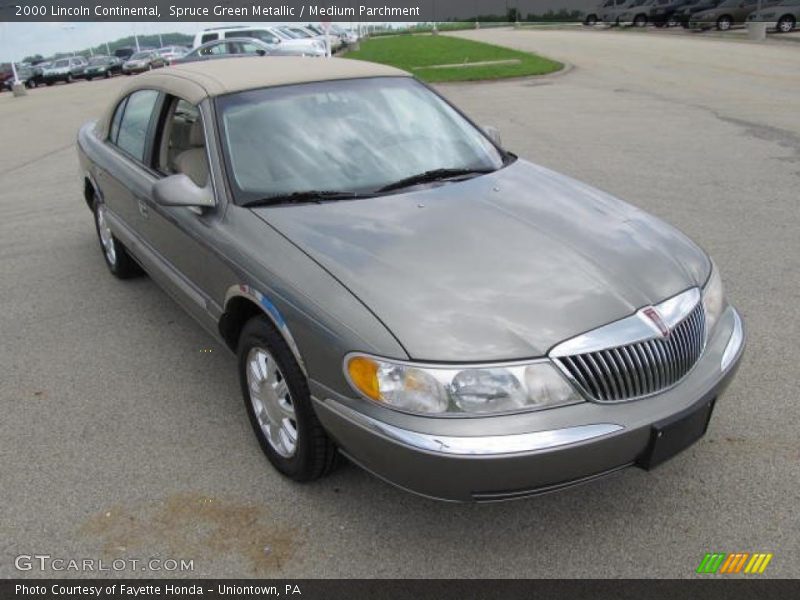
140,56
357,135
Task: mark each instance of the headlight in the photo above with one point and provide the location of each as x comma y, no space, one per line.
713,298
477,390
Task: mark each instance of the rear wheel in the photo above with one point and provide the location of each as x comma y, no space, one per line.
117,259
640,21
278,403
672,21
786,24
69,78
724,23
590,20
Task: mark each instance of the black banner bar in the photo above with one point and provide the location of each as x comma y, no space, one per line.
711,588
365,11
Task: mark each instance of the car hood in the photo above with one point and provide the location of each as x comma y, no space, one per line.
498,267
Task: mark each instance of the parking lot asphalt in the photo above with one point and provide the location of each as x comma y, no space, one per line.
123,433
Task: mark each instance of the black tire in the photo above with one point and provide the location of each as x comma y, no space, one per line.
69,78
724,23
49,83
590,20
107,74
786,24
672,21
315,454
639,21
122,266
88,78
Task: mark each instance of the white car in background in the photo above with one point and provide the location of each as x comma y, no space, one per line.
173,52
269,35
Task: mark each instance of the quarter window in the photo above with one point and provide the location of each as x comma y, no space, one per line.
132,134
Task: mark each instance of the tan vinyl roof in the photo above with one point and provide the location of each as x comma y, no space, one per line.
198,80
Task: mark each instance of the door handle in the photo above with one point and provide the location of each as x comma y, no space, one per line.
144,210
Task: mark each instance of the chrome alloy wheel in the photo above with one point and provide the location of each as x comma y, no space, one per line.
106,239
272,402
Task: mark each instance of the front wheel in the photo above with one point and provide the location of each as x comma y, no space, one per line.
68,79
590,20
117,259
640,21
278,404
672,22
724,23
786,24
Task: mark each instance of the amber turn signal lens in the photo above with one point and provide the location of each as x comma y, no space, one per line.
364,375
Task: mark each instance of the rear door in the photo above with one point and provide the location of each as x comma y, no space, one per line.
125,178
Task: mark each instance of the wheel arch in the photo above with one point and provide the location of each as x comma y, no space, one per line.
90,191
242,303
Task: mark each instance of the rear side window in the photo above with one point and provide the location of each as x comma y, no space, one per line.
208,37
112,136
138,112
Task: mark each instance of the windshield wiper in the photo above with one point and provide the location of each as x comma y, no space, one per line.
433,175
305,196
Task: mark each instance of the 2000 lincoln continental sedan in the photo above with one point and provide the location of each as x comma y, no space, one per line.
399,288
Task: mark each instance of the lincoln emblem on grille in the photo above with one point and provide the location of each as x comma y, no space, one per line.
655,318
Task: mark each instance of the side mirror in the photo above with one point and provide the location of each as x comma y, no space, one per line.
180,190
493,134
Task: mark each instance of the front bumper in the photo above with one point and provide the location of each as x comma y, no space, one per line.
513,456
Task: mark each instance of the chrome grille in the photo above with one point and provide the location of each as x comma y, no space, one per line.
642,368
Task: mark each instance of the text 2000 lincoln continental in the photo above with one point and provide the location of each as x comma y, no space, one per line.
400,289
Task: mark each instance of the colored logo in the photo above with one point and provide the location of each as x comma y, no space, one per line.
736,562
655,318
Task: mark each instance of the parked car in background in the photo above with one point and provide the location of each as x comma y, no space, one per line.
727,14
299,211
268,35
636,12
65,69
233,47
334,40
612,12
143,61
684,14
102,66
782,17
170,53
348,36
124,53
27,74
663,12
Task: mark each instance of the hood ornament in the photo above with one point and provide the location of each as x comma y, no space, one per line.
653,317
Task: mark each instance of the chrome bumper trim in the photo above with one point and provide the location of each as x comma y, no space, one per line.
734,343
491,445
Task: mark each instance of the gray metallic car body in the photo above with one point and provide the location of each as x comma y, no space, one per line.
496,269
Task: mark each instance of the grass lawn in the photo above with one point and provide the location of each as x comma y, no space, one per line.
414,53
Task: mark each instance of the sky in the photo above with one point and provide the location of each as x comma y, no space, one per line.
18,40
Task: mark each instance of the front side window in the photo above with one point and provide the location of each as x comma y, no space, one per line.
354,135
135,123
208,37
